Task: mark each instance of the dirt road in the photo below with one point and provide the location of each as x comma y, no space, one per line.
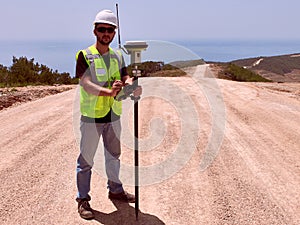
251,177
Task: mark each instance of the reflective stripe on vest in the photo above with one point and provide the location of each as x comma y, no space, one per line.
99,106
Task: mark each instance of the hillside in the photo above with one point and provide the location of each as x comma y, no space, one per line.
283,68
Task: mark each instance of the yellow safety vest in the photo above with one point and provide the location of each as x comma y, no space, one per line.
93,106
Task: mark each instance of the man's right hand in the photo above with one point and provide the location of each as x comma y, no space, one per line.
116,87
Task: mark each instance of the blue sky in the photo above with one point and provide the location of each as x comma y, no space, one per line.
64,27
158,20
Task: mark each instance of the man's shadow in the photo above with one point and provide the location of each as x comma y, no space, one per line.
125,215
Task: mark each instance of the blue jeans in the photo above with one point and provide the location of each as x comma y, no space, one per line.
90,136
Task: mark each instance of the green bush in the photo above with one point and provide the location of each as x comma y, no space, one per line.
157,69
241,74
25,72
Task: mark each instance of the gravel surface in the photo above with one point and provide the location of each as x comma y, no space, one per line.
252,177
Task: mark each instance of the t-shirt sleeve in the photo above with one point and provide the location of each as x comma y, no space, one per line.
81,66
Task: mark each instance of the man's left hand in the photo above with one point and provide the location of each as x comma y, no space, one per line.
138,91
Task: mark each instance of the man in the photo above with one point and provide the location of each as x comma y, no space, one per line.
102,75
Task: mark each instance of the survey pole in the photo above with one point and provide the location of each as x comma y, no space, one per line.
134,48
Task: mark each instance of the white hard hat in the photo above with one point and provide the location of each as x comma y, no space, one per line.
106,16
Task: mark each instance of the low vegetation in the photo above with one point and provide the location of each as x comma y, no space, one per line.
156,69
160,69
188,63
25,72
276,64
234,72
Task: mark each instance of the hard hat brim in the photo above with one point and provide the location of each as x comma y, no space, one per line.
105,22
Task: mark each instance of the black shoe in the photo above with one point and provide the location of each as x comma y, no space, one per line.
123,196
84,209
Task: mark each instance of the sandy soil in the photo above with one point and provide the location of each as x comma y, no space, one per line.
252,177
18,95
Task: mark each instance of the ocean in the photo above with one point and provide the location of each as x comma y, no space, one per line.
60,55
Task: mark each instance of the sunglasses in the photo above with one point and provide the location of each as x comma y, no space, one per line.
109,30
